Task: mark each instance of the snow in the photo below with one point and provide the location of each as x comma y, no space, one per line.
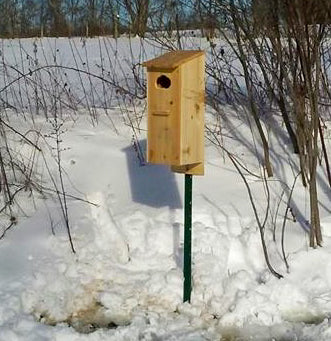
125,280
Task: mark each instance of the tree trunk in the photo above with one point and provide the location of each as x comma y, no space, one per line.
138,13
59,26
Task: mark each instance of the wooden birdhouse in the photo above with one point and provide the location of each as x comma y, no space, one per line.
175,93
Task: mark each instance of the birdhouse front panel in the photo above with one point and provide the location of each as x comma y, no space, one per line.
163,135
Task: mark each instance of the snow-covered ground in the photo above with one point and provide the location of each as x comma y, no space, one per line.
125,280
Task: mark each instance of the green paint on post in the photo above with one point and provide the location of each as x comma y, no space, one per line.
188,238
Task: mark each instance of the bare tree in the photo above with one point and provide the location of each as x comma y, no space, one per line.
28,18
58,20
73,10
114,12
242,55
137,11
308,36
296,31
283,43
9,25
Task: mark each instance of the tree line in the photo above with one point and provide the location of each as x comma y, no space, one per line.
28,18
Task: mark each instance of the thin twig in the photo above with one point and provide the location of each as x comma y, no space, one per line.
288,206
7,228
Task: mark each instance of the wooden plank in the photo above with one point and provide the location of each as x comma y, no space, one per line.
172,60
192,109
163,140
194,169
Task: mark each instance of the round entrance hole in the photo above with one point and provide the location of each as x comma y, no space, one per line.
163,82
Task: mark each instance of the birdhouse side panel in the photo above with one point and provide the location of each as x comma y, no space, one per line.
192,107
163,140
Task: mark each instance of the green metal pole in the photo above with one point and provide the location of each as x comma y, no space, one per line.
187,238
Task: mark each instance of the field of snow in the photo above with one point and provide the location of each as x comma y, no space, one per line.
125,280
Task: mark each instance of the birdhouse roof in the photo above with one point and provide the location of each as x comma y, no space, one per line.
173,59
